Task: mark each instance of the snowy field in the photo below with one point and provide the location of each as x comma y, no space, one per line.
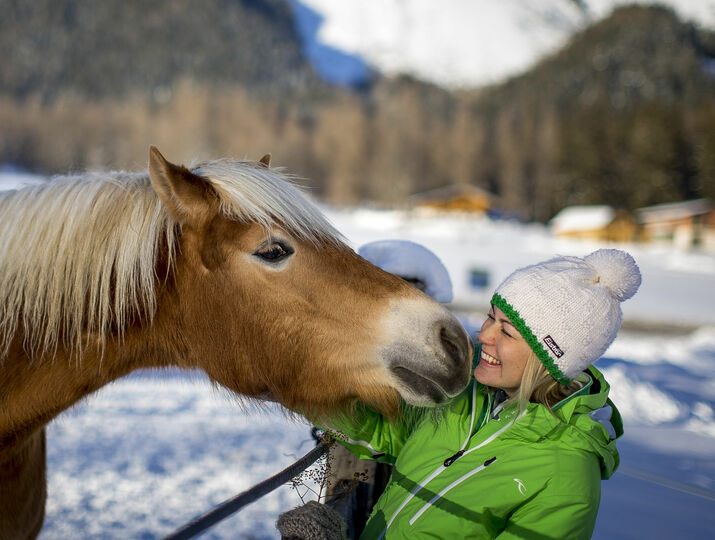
151,451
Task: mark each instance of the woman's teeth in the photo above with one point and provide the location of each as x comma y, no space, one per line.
490,359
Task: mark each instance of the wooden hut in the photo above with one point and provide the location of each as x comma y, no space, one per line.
599,223
453,198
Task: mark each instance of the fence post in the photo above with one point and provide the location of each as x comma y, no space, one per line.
354,485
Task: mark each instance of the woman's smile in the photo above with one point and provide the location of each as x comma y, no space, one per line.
503,353
489,359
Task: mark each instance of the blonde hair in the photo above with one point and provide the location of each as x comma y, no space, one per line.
539,386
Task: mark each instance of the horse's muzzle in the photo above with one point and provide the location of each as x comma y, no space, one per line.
433,367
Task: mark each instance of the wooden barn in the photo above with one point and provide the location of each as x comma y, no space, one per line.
600,223
453,198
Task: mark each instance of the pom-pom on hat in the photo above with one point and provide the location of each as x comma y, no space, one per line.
568,309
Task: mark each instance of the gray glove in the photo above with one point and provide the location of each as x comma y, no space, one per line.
312,521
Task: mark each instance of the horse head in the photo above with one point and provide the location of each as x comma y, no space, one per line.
268,300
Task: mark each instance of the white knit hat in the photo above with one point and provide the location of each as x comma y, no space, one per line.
568,309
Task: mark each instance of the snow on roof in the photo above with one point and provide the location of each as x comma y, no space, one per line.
582,218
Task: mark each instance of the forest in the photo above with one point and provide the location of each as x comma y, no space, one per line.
623,115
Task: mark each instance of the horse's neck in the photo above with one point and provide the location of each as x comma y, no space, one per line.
35,391
23,487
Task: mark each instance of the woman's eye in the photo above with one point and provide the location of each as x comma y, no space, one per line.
274,252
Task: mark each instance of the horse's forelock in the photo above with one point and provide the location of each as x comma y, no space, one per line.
266,196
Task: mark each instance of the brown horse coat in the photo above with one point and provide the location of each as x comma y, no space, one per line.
225,268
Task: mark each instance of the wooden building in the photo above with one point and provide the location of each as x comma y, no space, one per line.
453,198
599,223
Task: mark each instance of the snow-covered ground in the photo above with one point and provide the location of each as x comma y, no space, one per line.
151,451
453,43
678,286
15,178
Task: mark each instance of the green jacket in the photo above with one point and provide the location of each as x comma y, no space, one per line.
473,476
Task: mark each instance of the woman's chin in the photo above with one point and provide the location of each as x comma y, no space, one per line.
487,375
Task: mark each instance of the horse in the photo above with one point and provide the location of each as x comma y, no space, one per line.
226,267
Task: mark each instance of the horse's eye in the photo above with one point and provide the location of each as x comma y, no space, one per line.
274,252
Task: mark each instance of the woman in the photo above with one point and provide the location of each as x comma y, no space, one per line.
518,454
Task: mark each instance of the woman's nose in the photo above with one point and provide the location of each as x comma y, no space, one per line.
485,334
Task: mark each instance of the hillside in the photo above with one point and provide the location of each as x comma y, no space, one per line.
111,48
624,114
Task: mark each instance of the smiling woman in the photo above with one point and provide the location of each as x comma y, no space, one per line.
518,454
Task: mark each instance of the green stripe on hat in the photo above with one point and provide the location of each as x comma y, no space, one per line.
530,338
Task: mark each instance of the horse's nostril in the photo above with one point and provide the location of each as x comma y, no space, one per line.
454,344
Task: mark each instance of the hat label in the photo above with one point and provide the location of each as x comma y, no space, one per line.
551,344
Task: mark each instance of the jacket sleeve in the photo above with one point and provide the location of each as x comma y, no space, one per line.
555,518
369,435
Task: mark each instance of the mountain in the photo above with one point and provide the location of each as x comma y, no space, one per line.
101,49
51,47
453,43
622,114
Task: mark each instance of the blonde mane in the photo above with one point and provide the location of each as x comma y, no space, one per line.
78,255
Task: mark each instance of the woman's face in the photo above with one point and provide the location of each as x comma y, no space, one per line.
504,353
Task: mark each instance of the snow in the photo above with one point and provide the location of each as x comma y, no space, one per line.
453,43
701,12
151,451
678,286
674,211
14,178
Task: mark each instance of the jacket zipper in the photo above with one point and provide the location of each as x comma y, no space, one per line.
460,452
442,467
450,486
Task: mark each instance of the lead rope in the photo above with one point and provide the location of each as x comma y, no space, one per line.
225,509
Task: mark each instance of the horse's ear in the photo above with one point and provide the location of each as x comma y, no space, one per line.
188,197
265,161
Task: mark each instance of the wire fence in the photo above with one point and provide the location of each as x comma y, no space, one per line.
233,505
